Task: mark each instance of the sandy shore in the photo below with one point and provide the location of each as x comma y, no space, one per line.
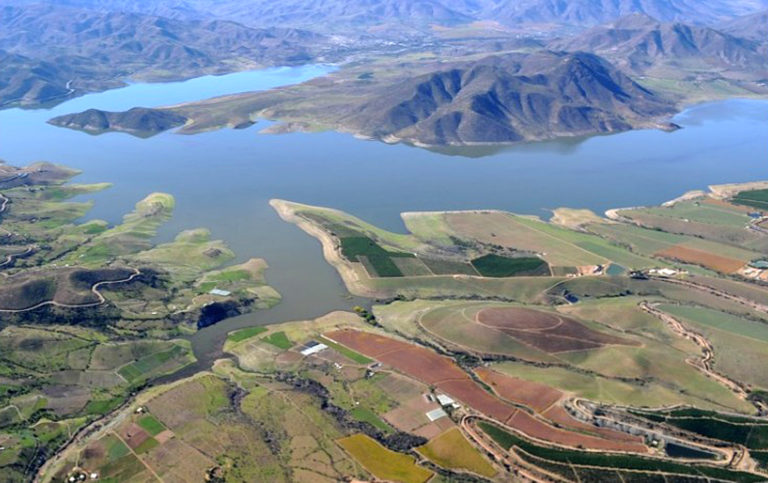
351,277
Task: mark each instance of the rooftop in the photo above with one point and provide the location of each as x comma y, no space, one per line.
436,414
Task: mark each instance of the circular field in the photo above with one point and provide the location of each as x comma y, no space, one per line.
518,318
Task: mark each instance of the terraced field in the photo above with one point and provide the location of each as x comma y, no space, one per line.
649,366
442,373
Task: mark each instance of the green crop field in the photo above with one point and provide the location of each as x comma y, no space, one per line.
724,427
376,259
368,416
243,334
279,340
497,266
101,407
720,321
508,440
754,198
151,425
380,266
147,366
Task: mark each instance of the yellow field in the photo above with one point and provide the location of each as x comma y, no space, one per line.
452,450
383,463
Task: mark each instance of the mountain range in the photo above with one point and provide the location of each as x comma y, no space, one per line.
331,15
753,26
509,98
496,99
412,70
592,12
642,44
60,51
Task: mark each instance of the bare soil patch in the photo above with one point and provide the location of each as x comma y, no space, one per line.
546,331
443,373
531,394
705,259
535,428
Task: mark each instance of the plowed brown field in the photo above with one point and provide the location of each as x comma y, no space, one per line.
546,331
446,376
535,428
705,259
532,394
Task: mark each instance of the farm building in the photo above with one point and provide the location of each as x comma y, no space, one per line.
446,400
313,348
664,272
436,414
761,264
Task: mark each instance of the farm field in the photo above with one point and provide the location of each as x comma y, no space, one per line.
708,218
275,415
92,312
461,253
715,223
445,375
192,429
383,463
750,432
455,252
650,368
752,198
576,459
548,332
545,337
66,377
739,344
519,391
452,450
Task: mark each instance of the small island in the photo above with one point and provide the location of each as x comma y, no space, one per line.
138,121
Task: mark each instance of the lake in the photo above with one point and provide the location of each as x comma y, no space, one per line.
223,180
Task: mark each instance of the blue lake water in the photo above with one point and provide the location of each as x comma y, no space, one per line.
223,180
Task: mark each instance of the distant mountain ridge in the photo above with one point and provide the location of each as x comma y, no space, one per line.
593,12
24,80
641,43
753,26
324,15
67,51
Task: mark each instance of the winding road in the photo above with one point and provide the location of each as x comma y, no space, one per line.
94,290
704,364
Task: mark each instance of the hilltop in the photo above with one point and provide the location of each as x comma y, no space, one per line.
138,121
